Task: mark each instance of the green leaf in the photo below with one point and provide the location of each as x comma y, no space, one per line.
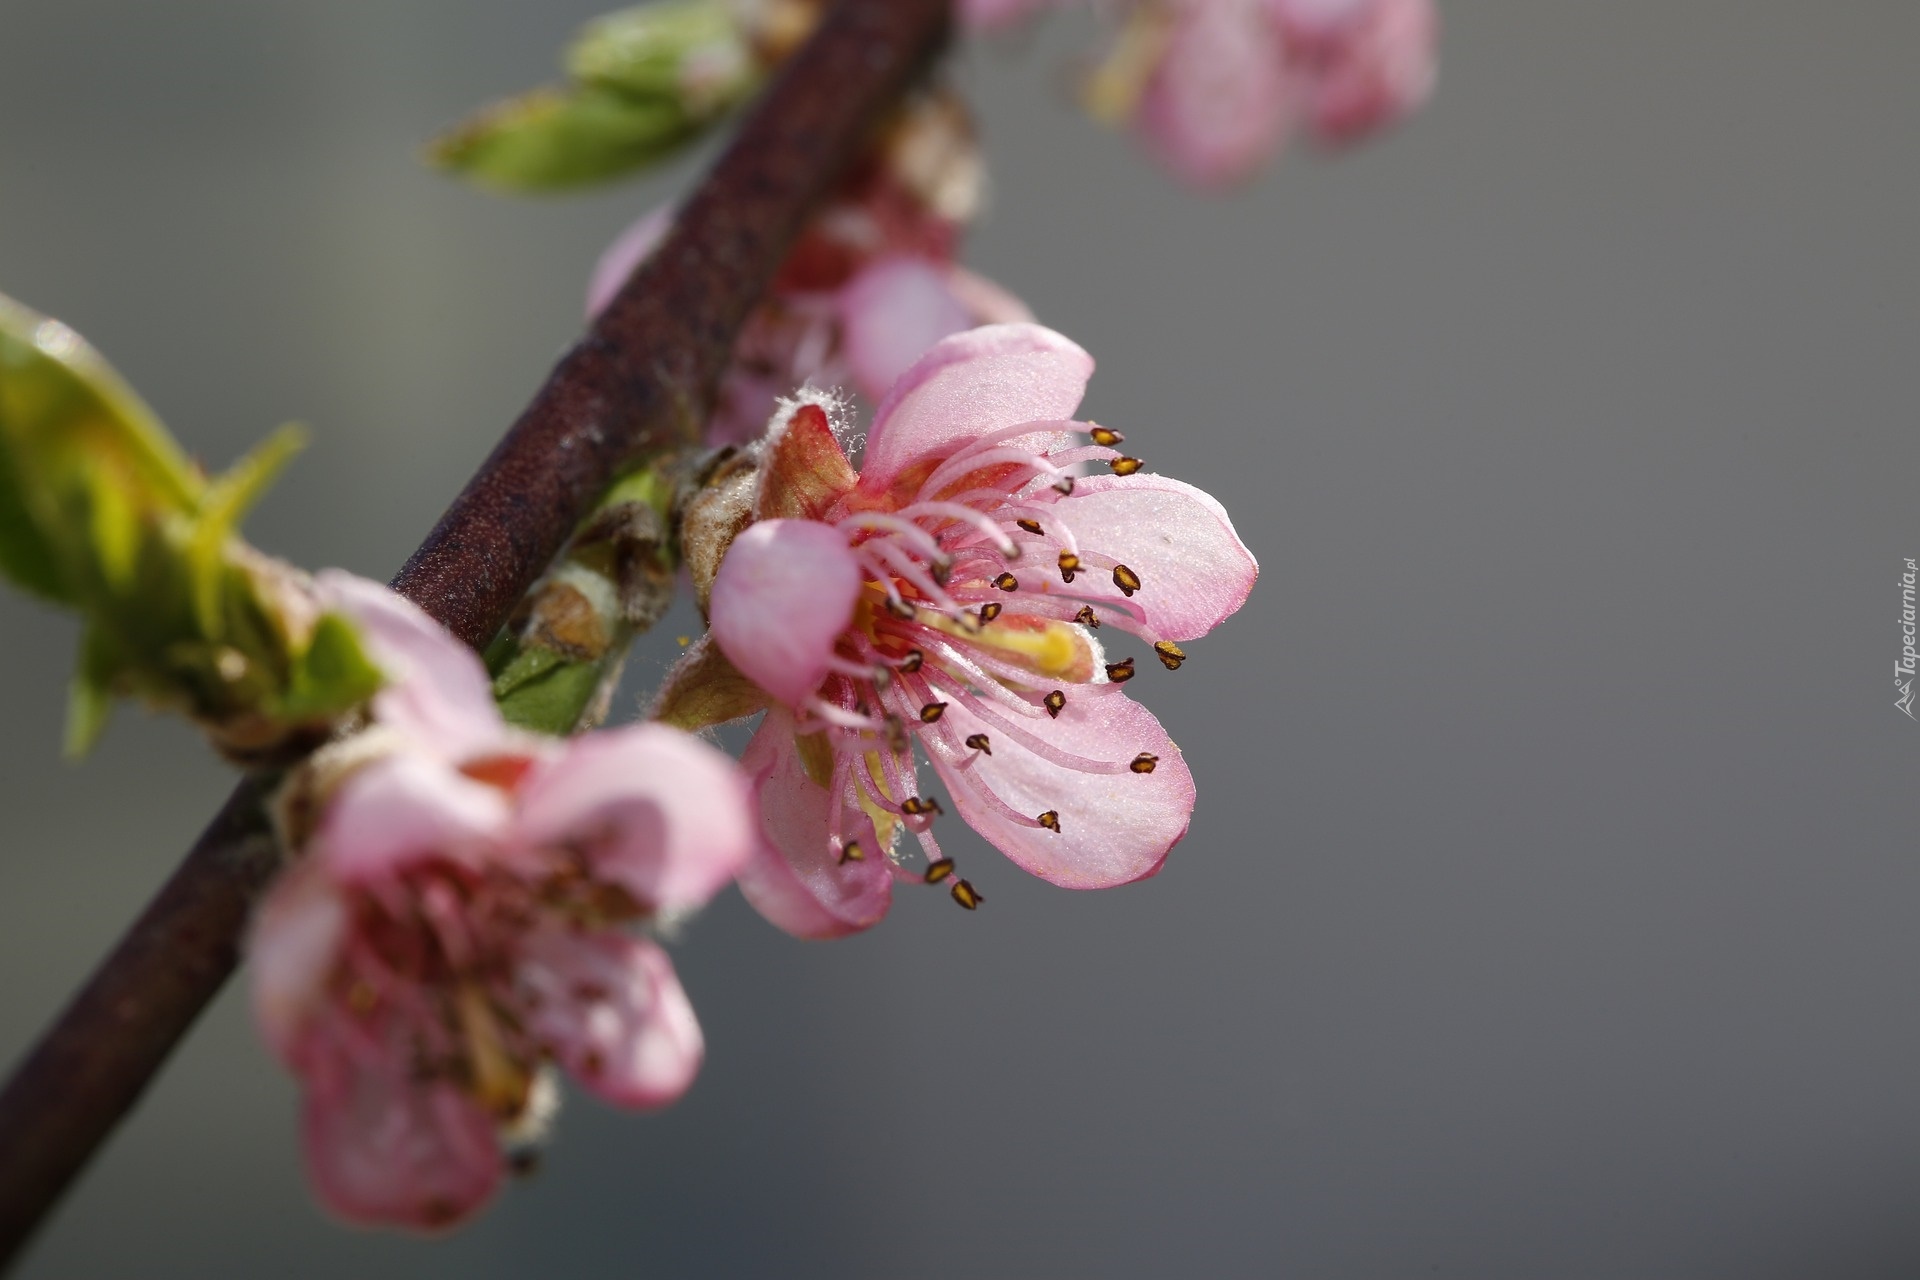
90,694
549,697
227,499
692,53
551,139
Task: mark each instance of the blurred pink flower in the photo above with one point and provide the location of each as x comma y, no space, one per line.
1216,86
947,594
455,922
871,284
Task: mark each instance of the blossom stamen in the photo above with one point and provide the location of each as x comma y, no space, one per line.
1056,702
966,895
1171,655
1050,820
1120,672
981,743
1144,762
938,871
1126,579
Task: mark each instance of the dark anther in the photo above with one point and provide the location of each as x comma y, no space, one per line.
988,612
1055,703
1144,762
1087,617
917,805
979,742
900,609
932,711
938,871
1126,579
965,894
1050,820
1069,565
1064,486
1171,654
1120,672
1007,582
942,570
1105,437
1126,466
851,852
523,1162
1031,526
911,663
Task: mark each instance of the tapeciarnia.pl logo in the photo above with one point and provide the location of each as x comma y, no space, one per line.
1903,669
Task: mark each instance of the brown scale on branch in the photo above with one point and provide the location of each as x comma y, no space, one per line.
639,383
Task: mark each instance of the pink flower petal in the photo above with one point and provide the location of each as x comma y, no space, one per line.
384,1148
614,1011
794,879
784,593
293,945
402,809
658,812
1217,105
1194,570
1114,827
438,692
629,249
890,313
969,384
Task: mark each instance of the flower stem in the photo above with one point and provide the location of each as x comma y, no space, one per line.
639,383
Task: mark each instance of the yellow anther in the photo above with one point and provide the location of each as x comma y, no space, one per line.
1126,579
1105,437
1171,654
1031,526
852,852
965,894
1050,820
1069,565
1087,617
979,742
1144,762
938,871
1120,672
932,712
1007,582
1126,466
988,612
1055,703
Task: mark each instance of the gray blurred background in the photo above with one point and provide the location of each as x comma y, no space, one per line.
1550,909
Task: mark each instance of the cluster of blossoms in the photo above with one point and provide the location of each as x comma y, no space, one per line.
1216,87
456,925
871,283
948,595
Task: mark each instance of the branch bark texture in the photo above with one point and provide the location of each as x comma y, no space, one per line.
640,382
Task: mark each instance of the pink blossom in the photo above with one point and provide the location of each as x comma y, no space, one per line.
1216,86
871,284
456,922
948,594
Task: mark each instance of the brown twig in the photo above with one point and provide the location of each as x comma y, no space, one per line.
638,383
